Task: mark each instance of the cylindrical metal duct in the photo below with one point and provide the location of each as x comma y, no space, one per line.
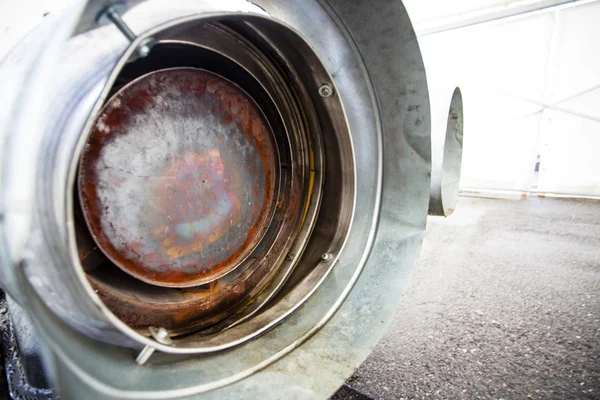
238,171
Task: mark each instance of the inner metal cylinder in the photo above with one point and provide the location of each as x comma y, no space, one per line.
178,180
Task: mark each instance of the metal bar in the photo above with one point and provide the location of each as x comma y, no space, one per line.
113,14
115,18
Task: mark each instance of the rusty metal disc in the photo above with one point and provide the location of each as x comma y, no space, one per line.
179,176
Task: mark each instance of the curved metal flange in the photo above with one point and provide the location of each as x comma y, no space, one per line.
446,146
23,73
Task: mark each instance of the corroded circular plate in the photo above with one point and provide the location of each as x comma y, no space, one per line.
178,177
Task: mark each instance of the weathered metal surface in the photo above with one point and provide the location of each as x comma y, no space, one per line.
196,308
178,178
21,71
90,256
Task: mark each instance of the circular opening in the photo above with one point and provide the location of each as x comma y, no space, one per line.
221,122
178,179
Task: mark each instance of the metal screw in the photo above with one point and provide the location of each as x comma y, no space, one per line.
161,335
325,90
289,257
112,13
326,257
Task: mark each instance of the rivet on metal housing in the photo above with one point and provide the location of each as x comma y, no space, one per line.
325,90
326,257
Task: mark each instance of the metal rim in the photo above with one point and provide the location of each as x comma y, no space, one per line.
136,261
249,279
310,257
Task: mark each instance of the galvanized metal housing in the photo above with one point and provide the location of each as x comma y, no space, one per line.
324,319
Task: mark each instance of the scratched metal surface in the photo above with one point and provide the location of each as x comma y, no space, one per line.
178,178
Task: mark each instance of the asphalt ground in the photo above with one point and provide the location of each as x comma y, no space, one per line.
504,304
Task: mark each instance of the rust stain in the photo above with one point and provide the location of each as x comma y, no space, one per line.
176,203
179,177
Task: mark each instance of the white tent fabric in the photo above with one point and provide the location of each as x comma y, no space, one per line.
531,89
529,71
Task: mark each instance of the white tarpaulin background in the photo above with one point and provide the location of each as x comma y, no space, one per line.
531,85
529,72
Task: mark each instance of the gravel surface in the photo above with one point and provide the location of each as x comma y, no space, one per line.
505,304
